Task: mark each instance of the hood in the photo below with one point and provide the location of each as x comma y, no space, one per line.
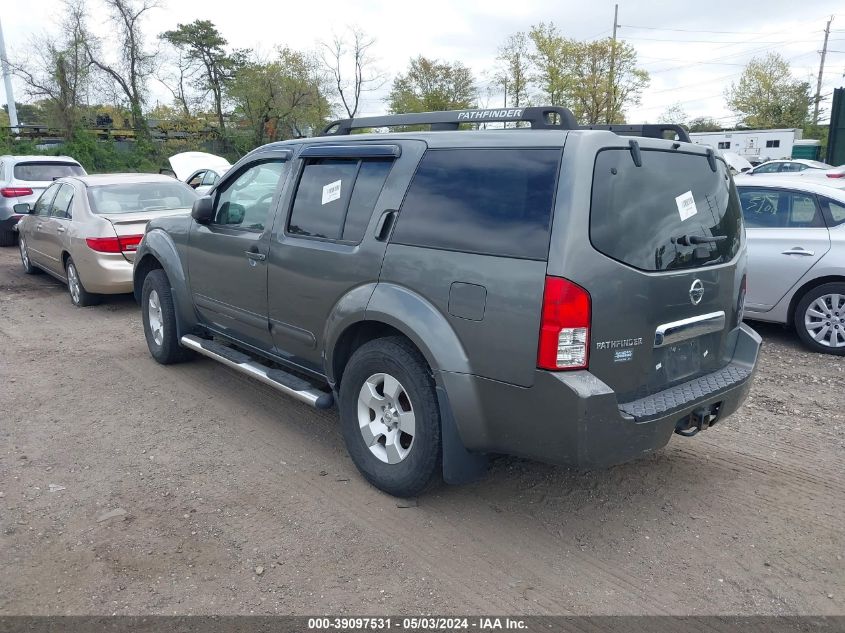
187,163
736,162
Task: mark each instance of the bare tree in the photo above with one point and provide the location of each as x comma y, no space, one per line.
514,73
349,61
57,72
134,64
179,75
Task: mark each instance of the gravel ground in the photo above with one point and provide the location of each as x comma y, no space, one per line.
131,488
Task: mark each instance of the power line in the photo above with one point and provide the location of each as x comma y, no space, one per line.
656,28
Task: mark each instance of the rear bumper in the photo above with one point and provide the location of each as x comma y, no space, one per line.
574,419
104,273
9,222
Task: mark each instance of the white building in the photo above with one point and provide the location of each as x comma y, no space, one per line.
753,145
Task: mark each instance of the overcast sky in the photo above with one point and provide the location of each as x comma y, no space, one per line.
692,49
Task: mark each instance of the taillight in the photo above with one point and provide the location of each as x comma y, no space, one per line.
14,192
122,244
565,326
839,174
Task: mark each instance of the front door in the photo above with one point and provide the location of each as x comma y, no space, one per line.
787,235
36,237
227,258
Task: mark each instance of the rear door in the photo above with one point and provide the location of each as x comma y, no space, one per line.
331,236
787,236
227,259
666,270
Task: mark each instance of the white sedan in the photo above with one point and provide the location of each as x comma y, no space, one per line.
791,166
796,256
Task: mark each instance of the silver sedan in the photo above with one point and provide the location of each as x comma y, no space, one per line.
85,230
796,257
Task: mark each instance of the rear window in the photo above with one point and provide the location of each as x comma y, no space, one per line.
46,171
140,196
646,216
488,201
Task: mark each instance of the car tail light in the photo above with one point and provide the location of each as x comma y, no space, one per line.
840,174
122,244
565,326
14,192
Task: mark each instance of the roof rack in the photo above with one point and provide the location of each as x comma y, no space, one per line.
648,130
539,117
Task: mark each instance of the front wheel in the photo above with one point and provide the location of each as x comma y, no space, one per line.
390,418
26,262
80,297
820,319
159,317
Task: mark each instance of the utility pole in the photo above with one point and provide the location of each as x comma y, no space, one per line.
821,73
611,92
7,80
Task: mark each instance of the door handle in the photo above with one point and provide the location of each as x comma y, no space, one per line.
255,256
799,251
385,224
61,229
38,226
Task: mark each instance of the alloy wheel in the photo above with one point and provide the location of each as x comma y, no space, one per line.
824,320
73,283
24,253
386,418
155,317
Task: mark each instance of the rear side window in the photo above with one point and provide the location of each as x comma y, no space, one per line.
835,212
645,216
488,201
336,197
46,171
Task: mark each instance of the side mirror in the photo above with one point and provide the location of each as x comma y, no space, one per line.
22,208
203,210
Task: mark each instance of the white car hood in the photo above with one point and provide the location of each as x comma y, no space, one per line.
736,161
187,163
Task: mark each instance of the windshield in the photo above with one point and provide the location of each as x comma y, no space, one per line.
673,212
140,196
42,172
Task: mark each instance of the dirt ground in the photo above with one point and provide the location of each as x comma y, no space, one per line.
131,488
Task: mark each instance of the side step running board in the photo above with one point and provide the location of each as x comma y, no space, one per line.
287,383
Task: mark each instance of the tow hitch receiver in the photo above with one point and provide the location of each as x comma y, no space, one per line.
699,420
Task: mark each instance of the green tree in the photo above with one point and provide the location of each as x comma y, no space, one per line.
430,85
767,96
203,44
598,80
704,124
279,99
514,74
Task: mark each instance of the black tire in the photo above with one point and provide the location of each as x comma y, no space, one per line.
421,468
8,238
26,262
167,351
835,319
78,296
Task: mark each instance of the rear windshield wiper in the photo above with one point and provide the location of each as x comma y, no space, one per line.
691,240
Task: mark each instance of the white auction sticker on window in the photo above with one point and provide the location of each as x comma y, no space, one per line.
685,202
331,192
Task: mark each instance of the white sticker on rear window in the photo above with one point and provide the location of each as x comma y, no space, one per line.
331,192
685,202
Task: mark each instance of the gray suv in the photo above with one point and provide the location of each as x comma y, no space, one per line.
569,295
